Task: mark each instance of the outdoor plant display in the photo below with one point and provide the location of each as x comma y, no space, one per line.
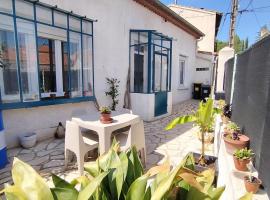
252,183
105,115
117,175
233,138
242,158
202,118
113,91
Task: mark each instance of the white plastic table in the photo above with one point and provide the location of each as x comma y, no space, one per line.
104,131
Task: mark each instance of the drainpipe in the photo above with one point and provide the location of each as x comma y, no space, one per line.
3,147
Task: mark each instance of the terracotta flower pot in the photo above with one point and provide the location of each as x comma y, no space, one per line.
241,164
105,118
233,145
252,186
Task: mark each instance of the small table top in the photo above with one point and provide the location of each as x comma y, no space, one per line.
119,121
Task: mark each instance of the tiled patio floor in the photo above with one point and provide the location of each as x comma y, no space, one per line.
48,156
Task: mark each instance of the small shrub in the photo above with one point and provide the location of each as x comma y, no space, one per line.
243,154
105,110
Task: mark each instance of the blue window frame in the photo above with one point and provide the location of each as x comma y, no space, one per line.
23,25
150,61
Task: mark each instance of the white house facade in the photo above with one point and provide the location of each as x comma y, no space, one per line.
57,53
208,22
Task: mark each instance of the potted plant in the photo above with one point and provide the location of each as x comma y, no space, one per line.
202,118
105,113
242,158
28,140
252,183
233,138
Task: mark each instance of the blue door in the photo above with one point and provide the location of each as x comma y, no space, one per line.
160,82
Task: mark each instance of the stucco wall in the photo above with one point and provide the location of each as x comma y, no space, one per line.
111,58
204,61
204,20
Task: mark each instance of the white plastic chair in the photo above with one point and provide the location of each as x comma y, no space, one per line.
134,137
79,143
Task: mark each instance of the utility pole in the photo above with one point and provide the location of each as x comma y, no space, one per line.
234,13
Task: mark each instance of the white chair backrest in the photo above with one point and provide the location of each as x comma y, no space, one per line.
73,137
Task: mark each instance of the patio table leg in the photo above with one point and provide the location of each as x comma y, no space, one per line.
104,141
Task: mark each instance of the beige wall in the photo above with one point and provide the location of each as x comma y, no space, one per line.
204,20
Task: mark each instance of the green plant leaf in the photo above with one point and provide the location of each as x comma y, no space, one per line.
247,196
215,193
180,120
91,168
137,189
196,194
28,180
13,192
64,193
82,180
61,183
89,190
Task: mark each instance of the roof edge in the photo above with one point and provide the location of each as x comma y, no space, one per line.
163,11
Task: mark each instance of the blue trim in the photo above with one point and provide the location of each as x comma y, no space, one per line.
82,57
45,103
170,87
93,68
36,35
68,46
149,61
3,158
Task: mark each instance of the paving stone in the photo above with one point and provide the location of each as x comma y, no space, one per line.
58,157
39,160
53,163
57,152
52,145
13,152
44,153
25,151
26,157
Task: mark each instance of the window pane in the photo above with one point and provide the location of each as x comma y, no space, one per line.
6,6
44,14
60,19
24,9
157,72
74,24
87,66
182,68
47,72
28,60
164,73
65,67
87,27
75,64
8,66
50,32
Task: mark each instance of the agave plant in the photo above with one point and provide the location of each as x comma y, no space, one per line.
203,118
117,176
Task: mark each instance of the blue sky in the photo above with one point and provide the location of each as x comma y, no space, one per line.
248,23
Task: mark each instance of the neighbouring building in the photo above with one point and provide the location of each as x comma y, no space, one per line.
56,54
208,21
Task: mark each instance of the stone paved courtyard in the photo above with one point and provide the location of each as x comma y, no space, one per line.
48,156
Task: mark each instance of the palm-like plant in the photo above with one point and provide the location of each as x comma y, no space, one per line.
203,118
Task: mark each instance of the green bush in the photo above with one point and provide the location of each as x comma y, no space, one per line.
117,175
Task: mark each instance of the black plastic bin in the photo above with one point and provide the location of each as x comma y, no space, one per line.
197,90
206,90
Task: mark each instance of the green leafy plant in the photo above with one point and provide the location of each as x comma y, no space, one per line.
234,130
113,91
203,118
117,175
243,154
105,110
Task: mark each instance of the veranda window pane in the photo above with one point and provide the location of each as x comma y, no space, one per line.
74,24
28,60
8,65
44,14
75,64
87,66
60,19
24,9
87,27
6,6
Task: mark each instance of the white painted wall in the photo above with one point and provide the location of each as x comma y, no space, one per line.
204,20
111,54
204,61
223,56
